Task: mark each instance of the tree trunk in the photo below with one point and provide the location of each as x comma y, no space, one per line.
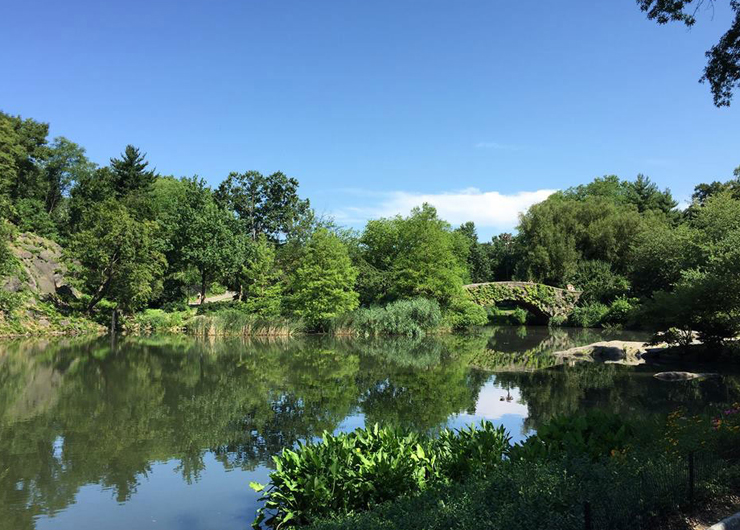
203,287
98,296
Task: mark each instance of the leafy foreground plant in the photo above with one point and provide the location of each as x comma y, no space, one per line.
351,472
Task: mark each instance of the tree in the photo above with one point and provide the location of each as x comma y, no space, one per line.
722,71
706,299
566,228
503,254
641,193
65,164
205,235
265,205
90,189
418,255
702,192
323,285
479,264
118,257
130,173
260,280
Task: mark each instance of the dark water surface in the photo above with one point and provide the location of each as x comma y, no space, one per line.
167,432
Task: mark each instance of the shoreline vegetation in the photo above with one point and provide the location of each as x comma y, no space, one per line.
621,473
79,242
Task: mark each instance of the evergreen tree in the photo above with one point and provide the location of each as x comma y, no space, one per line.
130,173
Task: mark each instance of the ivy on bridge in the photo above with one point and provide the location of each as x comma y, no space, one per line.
544,301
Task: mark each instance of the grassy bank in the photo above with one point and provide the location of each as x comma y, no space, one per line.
411,318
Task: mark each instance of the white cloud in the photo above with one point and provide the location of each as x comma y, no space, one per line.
489,209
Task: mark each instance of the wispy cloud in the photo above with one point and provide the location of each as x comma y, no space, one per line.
497,146
488,209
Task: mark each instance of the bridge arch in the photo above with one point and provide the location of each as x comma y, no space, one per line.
544,301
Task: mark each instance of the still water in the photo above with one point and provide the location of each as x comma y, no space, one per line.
167,432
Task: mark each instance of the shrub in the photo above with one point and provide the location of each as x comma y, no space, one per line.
464,314
217,307
621,311
520,316
599,283
158,320
595,435
590,315
412,317
355,471
511,317
9,302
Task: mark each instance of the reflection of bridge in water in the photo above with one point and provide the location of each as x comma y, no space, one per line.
544,301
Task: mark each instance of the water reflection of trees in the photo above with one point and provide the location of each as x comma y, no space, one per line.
76,412
80,412
620,389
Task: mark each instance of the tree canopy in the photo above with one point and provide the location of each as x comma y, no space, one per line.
722,71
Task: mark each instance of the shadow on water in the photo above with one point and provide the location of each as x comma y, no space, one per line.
84,422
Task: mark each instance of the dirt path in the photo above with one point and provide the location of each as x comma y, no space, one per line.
228,295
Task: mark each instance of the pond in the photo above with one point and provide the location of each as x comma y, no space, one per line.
166,432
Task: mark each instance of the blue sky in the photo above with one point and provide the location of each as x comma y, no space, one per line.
478,106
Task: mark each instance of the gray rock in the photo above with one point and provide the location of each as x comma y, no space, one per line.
681,376
47,255
67,292
13,284
608,353
731,523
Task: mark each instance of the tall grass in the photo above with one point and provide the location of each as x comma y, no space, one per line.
236,322
411,318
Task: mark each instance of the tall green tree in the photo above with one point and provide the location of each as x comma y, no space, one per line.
130,173
569,227
65,164
118,255
419,255
323,285
205,235
267,205
260,281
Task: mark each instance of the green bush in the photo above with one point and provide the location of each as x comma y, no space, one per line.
595,435
464,314
355,471
238,322
519,316
158,320
590,315
217,307
9,302
599,283
412,317
509,317
621,312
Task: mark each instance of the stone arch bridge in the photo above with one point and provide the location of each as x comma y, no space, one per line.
543,301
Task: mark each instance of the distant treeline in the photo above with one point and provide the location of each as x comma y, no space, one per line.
143,240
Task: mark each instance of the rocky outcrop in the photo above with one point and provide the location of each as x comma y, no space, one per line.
41,269
614,351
